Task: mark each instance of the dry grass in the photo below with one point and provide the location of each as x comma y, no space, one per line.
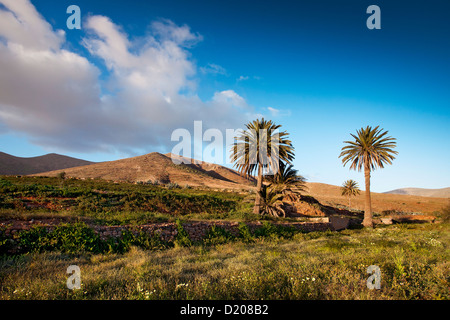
414,262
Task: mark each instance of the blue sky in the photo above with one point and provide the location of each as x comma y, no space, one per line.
312,66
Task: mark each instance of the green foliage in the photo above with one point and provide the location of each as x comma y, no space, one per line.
78,238
217,235
97,197
139,239
182,239
244,233
270,230
67,238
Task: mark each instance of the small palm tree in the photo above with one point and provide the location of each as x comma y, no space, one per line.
288,182
261,147
271,202
371,149
350,188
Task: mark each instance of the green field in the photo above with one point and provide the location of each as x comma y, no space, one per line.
413,259
272,263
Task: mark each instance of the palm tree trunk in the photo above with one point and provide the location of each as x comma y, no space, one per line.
257,207
367,222
349,202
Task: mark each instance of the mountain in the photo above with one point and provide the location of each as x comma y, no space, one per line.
437,193
11,165
156,166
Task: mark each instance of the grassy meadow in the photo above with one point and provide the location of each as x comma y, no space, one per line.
269,264
413,259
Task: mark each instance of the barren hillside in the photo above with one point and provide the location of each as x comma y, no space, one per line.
331,195
437,193
156,166
11,165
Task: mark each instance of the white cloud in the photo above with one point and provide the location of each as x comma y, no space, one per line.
277,112
55,97
242,78
213,69
274,112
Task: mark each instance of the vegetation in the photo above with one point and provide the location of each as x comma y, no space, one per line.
413,260
271,202
112,203
350,189
288,182
261,147
371,149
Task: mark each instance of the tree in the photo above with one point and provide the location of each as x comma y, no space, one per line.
261,147
271,202
371,149
288,182
350,188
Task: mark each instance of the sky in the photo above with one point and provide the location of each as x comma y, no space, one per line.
137,70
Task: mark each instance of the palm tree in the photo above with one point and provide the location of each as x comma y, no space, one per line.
271,202
260,147
288,182
371,149
350,188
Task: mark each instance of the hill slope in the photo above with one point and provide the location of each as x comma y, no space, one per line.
331,195
11,165
156,166
437,193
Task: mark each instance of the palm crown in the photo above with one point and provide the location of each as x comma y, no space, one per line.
350,188
261,145
371,148
287,181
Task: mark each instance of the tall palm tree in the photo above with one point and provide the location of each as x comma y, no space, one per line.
350,188
371,149
261,147
288,182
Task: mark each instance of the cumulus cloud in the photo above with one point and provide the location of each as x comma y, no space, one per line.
55,97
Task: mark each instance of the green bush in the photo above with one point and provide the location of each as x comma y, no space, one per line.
67,238
217,235
269,230
245,234
182,239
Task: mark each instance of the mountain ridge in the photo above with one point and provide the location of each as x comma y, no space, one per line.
12,165
424,192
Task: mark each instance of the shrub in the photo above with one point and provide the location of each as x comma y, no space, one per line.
244,233
182,239
173,185
140,239
269,230
67,238
61,175
445,215
217,235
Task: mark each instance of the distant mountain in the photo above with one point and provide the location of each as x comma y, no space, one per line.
156,166
437,193
11,165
